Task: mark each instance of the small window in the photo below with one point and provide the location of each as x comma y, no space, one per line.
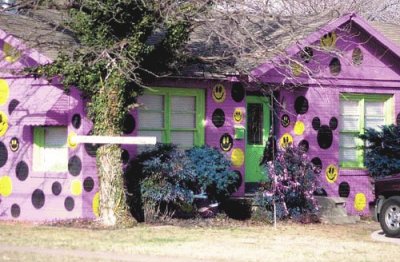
50,151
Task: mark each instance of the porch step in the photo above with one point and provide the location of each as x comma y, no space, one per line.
332,210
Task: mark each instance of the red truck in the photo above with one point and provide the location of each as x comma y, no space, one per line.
387,204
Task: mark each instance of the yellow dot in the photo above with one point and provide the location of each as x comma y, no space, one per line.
3,123
299,128
11,54
297,68
286,140
4,91
5,186
96,204
72,140
331,173
237,157
238,115
76,187
360,202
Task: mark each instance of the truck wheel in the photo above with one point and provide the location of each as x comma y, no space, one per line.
389,217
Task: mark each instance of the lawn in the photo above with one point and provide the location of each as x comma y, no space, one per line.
232,241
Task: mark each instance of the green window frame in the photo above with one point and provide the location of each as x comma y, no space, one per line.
167,128
50,150
348,141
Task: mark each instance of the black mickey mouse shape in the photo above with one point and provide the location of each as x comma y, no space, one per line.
325,135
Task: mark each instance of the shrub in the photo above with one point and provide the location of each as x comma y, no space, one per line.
382,155
212,172
293,181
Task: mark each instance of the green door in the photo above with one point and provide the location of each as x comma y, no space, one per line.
257,131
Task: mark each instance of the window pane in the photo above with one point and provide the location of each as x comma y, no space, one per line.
374,122
56,159
255,124
185,139
183,103
183,121
349,123
55,137
349,107
374,108
157,134
348,140
348,155
152,102
151,119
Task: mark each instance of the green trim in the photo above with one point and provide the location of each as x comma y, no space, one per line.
38,149
361,99
167,94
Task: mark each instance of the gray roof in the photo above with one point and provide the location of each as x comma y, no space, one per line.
390,31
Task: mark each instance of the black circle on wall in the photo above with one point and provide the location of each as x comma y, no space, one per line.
317,164
285,120
76,121
306,54
344,189
324,137
125,156
218,117
74,165
129,124
398,119
238,179
15,211
301,105
22,171
316,123
226,142
14,144
237,92
69,203
88,184
304,146
12,105
91,149
333,123
335,67
357,56
38,198
3,154
56,188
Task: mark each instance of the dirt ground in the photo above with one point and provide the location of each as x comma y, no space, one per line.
207,240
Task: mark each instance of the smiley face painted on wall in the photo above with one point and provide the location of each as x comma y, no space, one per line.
3,123
331,173
14,144
219,93
286,140
285,120
329,39
238,115
226,142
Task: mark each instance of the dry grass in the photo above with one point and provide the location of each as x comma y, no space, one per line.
225,242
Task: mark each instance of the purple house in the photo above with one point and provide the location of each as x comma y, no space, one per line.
333,84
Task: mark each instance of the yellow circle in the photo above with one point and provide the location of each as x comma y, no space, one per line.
3,123
71,140
219,93
238,115
237,157
299,128
331,173
329,39
11,54
5,186
96,204
4,91
286,140
297,68
360,202
76,187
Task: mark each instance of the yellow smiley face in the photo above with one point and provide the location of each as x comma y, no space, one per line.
3,123
360,202
238,115
14,144
329,40
286,140
331,173
219,93
226,142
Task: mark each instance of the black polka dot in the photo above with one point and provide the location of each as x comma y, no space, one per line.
15,211
333,123
88,184
3,154
335,66
285,120
357,56
12,105
69,203
22,171
238,179
316,123
74,165
38,198
301,105
76,121
125,156
14,144
237,92
324,137
304,146
91,149
398,119
226,142
56,188
344,189
317,164
218,117
129,124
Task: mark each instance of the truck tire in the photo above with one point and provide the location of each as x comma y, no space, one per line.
389,217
